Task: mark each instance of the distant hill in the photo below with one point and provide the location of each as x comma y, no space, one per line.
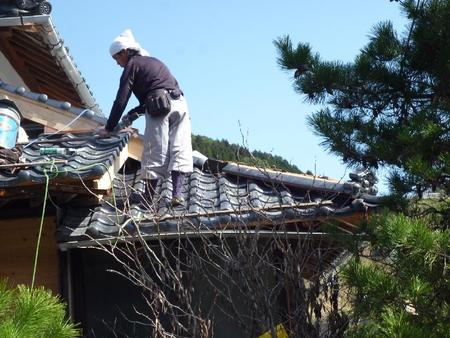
225,151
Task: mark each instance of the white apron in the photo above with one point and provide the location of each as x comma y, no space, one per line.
167,142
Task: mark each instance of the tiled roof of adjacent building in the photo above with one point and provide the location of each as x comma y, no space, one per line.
226,199
218,195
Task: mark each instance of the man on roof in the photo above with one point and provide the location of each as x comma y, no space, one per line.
167,138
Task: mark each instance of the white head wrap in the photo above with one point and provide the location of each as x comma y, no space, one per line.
126,41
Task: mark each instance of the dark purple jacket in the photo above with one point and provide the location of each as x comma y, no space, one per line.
141,75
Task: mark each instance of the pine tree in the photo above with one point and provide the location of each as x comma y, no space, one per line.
401,288
390,107
32,313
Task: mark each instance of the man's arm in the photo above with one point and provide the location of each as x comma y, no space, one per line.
122,97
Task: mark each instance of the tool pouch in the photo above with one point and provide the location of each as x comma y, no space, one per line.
158,103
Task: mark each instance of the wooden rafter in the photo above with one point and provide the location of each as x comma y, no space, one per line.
17,62
38,69
42,59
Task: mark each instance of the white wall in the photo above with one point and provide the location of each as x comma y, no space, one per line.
8,73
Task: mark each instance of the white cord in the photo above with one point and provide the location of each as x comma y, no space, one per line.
58,131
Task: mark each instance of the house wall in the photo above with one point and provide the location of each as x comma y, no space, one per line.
8,73
17,252
107,305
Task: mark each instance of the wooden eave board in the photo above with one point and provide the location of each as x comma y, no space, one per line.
33,61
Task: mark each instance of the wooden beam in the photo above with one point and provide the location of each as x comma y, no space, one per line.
6,33
35,38
58,91
24,186
49,77
135,146
76,189
48,70
47,115
106,181
24,49
41,62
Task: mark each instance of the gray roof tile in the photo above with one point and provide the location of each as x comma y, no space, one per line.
213,200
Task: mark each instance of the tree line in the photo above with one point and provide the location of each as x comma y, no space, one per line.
226,151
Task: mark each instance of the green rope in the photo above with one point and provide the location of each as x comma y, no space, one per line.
38,244
55,171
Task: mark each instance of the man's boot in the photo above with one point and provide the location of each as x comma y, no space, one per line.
177,185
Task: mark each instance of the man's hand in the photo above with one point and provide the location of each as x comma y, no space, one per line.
126,121
103,133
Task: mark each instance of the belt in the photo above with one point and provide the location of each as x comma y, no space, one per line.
174,93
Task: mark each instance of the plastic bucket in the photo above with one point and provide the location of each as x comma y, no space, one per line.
10,118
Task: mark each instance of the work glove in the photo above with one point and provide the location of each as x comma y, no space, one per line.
129,118
103,133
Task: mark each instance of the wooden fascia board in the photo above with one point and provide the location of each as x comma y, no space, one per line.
135,147
47,115
36,190
106,181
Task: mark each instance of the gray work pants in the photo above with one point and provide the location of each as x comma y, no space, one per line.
167,142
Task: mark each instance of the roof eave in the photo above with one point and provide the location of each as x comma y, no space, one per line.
50,35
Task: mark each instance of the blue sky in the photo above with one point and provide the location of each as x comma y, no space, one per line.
223,56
